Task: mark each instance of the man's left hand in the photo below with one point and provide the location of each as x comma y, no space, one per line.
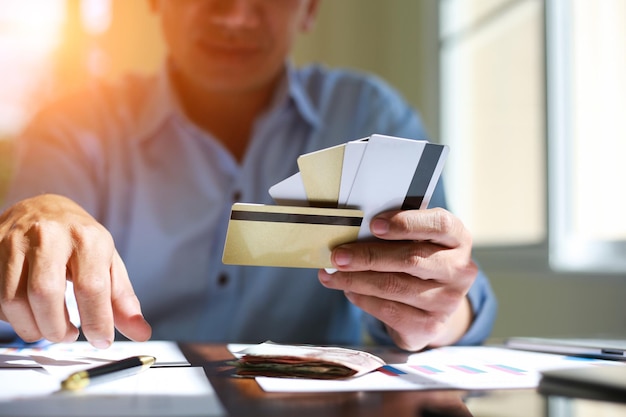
414,279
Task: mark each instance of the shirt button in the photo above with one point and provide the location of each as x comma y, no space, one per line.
237,196
222,280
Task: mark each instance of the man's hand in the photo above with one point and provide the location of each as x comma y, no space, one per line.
47,240
415,281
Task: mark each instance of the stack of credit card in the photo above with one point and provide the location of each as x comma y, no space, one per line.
332,199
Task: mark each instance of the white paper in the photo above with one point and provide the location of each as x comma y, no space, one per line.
81,353
168,391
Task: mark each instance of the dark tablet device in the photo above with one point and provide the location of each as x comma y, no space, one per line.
606,382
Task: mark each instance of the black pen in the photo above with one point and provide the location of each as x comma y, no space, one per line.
110,371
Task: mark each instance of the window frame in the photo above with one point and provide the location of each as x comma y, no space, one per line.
558,254
567,250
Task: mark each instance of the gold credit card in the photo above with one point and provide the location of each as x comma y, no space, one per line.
287,236
321,175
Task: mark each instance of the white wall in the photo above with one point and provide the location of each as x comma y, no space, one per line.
396,39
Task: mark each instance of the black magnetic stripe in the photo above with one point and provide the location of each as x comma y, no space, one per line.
295,218
422,176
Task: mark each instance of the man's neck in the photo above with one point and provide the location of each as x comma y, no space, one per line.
228,116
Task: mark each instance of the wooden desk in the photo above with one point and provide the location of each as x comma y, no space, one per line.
244,398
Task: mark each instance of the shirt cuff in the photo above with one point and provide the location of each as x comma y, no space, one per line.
484,308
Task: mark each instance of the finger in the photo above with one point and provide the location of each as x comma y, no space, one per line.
90,267
400,288
410,328
435,225
46,283
126,309
424,259
14,305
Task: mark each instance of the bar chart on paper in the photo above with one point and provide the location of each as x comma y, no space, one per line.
467,368
487,368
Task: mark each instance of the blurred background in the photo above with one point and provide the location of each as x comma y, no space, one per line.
529,94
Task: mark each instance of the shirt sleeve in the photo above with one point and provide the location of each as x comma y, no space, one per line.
484,308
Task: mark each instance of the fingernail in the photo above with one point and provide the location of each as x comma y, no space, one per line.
380,226
342,257
71,336
324,276
100,343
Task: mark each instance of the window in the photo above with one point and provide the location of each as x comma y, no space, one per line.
492,117
532,94
586,89
30,30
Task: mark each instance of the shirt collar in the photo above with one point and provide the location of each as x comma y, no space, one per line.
161,105
163,102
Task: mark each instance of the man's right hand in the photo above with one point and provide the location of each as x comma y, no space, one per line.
47,240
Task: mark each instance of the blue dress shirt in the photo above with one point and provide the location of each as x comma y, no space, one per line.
164,188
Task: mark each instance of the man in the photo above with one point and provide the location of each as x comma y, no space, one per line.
136,180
